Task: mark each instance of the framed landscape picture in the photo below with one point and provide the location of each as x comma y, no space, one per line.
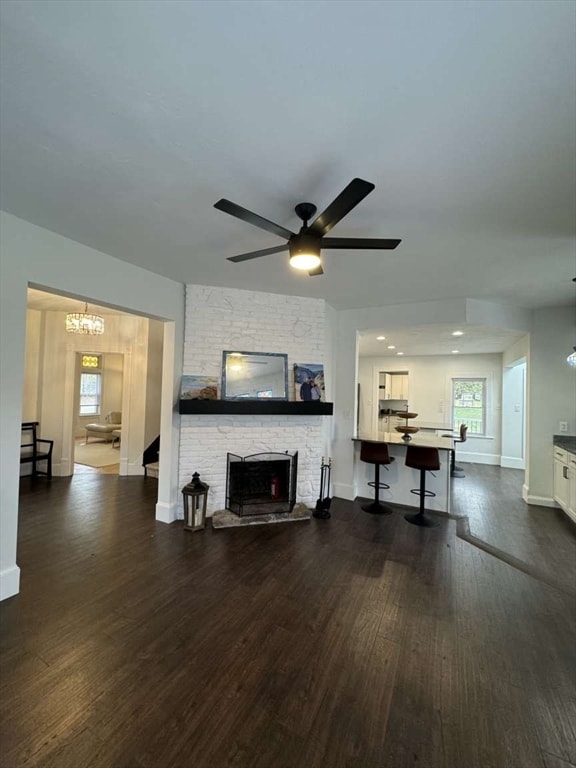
199,388
309,382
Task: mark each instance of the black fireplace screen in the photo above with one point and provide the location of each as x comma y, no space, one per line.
261,484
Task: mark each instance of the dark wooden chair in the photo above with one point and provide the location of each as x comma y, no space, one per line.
36,450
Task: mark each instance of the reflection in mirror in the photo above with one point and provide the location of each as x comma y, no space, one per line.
254,375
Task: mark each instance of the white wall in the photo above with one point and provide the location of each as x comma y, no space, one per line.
219,319
551,396
430,393
153,381
520,350
514,416
112,375
31,254
33,365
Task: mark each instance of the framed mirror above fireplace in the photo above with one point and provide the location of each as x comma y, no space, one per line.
254,375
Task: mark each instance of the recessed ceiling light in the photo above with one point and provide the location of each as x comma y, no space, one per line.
455,351
391,346
399,353
457,333
380,338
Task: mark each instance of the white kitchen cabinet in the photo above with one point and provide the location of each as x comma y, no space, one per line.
384,386
384,423
562,472
571,511
399,386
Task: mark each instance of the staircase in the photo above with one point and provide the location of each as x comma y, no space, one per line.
151,458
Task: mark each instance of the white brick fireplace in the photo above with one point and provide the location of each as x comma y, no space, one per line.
219,319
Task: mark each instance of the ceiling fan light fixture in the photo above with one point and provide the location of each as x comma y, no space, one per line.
305,253
305,261
305,246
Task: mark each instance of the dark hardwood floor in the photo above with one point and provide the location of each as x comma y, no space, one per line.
354,642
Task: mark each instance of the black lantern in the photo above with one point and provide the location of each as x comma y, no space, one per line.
195,498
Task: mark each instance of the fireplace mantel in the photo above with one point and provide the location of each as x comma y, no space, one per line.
257,407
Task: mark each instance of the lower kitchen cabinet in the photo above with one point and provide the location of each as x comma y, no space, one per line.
565,481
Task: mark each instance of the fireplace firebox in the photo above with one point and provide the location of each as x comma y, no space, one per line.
261,484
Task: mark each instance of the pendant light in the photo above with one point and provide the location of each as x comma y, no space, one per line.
84,323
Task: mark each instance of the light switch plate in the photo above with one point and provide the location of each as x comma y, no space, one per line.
563,426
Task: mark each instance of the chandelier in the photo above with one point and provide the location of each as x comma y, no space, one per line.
85,323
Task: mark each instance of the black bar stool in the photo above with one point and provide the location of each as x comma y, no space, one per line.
425,459
377,454
458,437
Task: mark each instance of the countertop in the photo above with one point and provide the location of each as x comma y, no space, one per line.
417,423
432,425
425,439
567,442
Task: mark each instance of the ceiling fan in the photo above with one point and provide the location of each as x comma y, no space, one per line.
305,246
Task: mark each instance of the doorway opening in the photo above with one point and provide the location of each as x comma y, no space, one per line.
98,385
98,396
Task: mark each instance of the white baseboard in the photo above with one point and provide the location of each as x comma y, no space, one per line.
477,458
537,501
9,582
166,513
63,468
511,463
132,470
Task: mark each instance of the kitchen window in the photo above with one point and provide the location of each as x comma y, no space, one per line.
469,404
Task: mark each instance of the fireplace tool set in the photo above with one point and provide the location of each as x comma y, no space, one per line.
322,510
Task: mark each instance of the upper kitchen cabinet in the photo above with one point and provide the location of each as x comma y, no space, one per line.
384,386
398,386
392,386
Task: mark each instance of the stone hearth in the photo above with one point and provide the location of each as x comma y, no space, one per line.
225,519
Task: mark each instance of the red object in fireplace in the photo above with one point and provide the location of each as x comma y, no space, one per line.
274,487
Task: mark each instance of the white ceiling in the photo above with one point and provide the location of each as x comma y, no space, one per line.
52,302
123,122
436,340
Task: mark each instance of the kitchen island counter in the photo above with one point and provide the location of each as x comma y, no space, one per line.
425,439
437,425
398,476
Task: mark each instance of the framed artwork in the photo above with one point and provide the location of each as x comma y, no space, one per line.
309,382
199,388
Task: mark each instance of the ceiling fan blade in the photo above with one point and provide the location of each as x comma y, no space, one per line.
377,243
316,271
349,198
257,254
252,218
